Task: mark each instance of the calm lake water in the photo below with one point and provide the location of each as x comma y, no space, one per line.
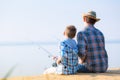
32,60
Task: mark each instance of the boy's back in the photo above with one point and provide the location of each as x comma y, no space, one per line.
69,56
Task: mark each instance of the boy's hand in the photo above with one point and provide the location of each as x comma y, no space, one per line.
58,60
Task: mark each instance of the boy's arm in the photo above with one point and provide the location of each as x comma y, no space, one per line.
62,52
58,60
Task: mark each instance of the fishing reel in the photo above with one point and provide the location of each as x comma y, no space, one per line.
55,59
54,64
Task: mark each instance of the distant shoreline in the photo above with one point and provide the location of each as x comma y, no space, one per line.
44,43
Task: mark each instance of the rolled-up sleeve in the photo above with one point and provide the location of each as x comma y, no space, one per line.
81,45
62,49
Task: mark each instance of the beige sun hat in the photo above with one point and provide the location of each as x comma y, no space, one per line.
91,14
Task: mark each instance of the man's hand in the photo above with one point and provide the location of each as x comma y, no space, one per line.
82,60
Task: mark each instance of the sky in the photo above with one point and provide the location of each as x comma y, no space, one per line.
23,22
45,20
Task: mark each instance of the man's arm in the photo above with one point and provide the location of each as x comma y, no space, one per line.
81,46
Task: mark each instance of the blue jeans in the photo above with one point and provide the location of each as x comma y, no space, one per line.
83,69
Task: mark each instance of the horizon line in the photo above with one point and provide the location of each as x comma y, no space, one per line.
44,43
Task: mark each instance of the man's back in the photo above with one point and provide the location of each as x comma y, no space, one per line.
91,43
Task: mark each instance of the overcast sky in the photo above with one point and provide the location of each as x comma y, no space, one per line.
45,20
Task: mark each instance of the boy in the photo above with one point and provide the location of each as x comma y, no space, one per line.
68,60
69,52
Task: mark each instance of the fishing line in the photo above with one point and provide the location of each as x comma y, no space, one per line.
45,50
49,54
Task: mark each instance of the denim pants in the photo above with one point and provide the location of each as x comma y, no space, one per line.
83,69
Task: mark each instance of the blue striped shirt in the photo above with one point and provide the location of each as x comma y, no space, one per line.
92,45
69,54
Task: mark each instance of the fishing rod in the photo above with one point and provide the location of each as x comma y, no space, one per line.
50,56
49,53
45,50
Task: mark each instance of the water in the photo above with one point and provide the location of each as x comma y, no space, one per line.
113,51
32,60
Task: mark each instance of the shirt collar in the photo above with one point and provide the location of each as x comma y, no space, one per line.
89,27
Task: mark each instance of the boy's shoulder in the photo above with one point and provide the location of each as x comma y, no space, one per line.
66,41
69,43
63,42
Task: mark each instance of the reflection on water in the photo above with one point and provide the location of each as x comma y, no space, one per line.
32,60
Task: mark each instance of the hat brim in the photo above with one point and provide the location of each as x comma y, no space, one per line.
86,15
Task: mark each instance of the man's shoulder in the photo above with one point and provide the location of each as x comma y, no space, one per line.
81,32
99,31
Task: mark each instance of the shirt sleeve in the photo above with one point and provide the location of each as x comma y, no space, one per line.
62,49
103,39
81,45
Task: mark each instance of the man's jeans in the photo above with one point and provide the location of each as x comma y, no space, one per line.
83,69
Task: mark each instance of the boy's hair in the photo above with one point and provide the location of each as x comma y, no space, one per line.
90,20
70,31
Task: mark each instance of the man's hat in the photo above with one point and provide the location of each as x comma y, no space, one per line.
91,14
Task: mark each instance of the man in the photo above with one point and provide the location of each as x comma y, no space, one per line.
91,46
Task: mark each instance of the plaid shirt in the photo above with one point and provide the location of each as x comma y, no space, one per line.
91,44
69,54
